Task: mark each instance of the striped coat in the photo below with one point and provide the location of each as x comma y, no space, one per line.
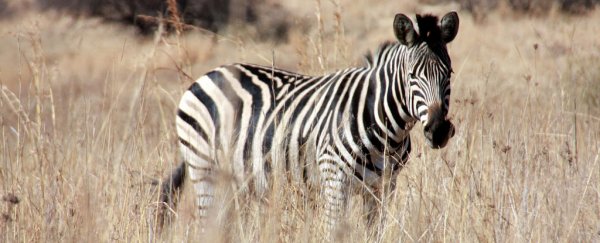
327,131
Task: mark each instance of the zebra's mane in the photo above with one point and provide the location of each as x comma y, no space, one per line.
429,30
371,58
431,33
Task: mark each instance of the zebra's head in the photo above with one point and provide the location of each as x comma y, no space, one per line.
426,71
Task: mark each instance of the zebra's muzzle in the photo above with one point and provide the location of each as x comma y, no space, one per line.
438,129
437,133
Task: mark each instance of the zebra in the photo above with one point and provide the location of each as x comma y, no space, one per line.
339,131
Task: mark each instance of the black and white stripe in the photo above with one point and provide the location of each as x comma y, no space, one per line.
332,130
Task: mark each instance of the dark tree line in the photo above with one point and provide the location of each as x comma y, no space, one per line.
270,19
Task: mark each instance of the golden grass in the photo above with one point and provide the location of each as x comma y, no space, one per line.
87,116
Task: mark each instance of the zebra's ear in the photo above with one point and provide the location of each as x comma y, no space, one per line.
404,30
449,26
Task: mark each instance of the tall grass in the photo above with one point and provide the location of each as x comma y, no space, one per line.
87,114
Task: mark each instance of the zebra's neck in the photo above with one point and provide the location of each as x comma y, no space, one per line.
392,115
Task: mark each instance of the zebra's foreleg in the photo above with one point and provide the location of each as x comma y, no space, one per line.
371,208
375,201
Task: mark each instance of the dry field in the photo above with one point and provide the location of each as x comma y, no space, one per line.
87,128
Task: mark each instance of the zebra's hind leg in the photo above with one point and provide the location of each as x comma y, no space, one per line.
334,191
203,182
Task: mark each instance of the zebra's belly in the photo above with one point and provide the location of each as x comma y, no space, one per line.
261,169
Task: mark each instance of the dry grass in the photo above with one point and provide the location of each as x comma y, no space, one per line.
87,116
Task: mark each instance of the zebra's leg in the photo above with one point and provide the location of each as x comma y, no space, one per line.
334,190
371,207
375,203
200,170
377,199
203,182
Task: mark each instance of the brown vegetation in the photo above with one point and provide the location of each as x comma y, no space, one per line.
87,128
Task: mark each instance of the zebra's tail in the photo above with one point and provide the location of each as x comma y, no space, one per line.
169,194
